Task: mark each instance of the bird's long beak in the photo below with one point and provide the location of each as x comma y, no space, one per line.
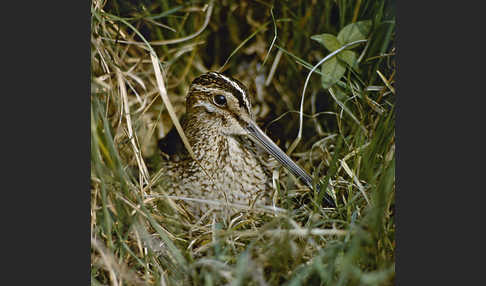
280,155
285,160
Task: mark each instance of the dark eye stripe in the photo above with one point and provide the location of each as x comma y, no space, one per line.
242,99
234,86
239,96
240,92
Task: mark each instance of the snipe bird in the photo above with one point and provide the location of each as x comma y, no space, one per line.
233,155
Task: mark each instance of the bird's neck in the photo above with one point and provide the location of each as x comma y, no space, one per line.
210,146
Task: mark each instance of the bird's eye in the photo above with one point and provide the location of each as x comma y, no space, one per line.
220,99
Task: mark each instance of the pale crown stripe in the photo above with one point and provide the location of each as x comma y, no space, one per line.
235,85
210,89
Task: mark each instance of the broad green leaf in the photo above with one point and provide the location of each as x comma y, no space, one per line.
329,41
354,32
332,71
348,57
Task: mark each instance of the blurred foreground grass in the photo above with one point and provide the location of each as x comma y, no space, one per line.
140,237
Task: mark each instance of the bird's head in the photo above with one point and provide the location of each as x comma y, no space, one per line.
222,102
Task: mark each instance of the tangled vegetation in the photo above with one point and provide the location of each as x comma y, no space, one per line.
336,117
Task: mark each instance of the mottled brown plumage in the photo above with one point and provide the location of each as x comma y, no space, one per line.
231,167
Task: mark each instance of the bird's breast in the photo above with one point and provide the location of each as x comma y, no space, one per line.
228,169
